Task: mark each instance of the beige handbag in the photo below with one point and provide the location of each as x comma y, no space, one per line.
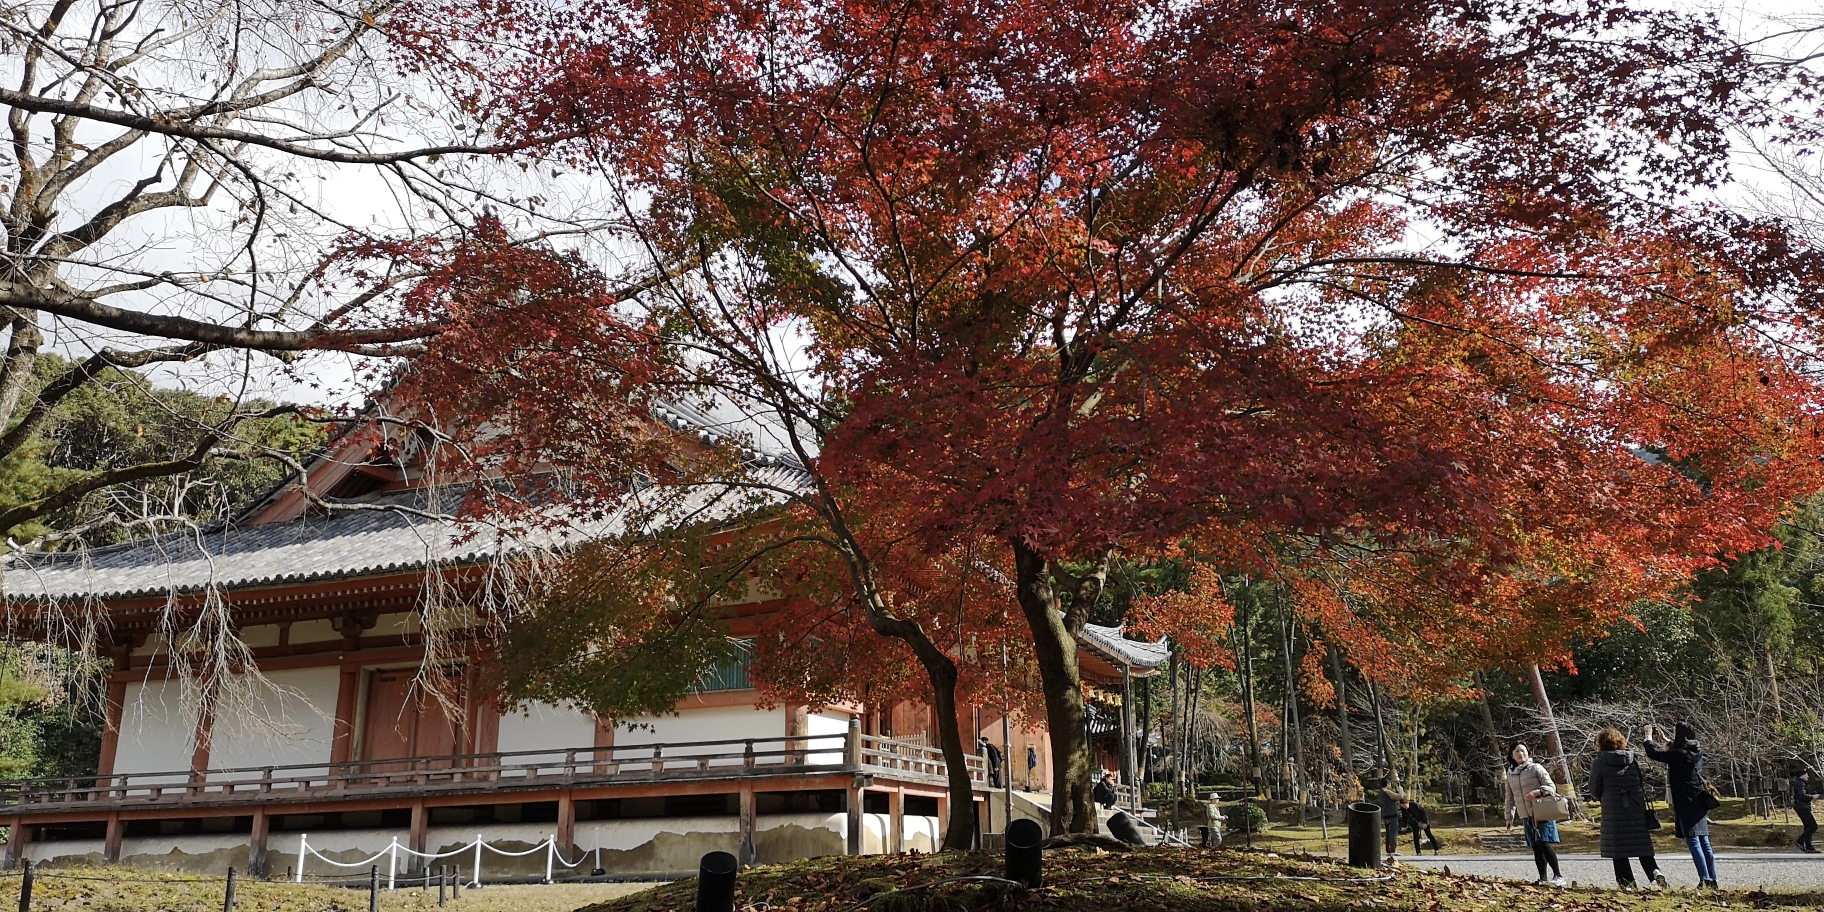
1551,808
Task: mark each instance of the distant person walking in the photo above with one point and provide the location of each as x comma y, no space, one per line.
1616,781
1684,762
1801,805
1032,763
995,761
1389,800
1526,781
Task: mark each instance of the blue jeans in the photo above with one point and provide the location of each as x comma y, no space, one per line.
1702,857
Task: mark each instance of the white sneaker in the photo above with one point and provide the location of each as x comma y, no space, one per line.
1558,881
1659,880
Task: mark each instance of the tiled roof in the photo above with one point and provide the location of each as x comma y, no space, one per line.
1113,645
378,537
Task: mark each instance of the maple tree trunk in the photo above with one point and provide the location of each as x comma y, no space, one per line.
959,828
940,669
1055,652
1552,741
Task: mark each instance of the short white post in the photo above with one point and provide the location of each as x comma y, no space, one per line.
392,863
300,858
550,852
477,881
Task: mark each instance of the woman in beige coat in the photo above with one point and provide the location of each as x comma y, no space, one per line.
1527,780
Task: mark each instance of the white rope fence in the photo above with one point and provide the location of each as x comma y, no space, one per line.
391,853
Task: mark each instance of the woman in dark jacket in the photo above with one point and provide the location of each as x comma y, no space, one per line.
1684,762
1801,805
1616,781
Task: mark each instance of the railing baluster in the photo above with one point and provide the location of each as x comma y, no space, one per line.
658,764
747,757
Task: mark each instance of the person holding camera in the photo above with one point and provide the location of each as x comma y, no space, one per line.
1691,800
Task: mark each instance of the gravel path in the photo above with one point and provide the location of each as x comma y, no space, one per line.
1774,870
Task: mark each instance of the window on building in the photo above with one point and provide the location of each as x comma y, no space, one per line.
730,673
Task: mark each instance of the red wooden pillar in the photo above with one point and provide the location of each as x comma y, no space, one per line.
348,695
749,823
110,736
421,828
256,843
566,821
110,850
18,834
896,821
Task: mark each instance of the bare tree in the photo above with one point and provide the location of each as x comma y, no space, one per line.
188,188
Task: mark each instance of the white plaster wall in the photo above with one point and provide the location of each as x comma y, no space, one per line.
874,831
291,722
539,726
455,843
822,726
194,844
721,723
65,850
318,631
156,731
919,833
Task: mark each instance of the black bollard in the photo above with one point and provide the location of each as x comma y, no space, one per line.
25,889
228,897
1364,835
1025,860
373,889
1122,827
716,882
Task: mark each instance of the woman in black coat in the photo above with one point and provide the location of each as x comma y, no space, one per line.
1801,805
1616,781
1684,762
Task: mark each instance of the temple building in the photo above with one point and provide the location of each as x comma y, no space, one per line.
348,740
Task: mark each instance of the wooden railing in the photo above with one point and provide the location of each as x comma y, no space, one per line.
732,758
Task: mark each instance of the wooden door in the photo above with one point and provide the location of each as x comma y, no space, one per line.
404,723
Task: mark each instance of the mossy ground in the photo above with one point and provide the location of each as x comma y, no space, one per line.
1163,880
125,890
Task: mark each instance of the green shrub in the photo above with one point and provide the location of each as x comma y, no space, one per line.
1245,817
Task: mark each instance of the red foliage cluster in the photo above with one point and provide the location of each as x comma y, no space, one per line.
1091,276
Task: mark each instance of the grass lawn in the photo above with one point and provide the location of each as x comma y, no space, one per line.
123,890
1155,880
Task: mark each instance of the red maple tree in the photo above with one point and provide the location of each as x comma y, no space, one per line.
1092,277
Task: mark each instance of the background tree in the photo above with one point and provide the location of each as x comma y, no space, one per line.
163,209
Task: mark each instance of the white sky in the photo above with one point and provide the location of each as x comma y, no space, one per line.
359,197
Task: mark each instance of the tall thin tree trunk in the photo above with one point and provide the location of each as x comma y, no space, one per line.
1297,737
1247,700
1177,737
1552,741
1342,711
1380,732
1495,748
1770,678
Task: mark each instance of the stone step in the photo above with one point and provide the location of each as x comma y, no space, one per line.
1502,842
